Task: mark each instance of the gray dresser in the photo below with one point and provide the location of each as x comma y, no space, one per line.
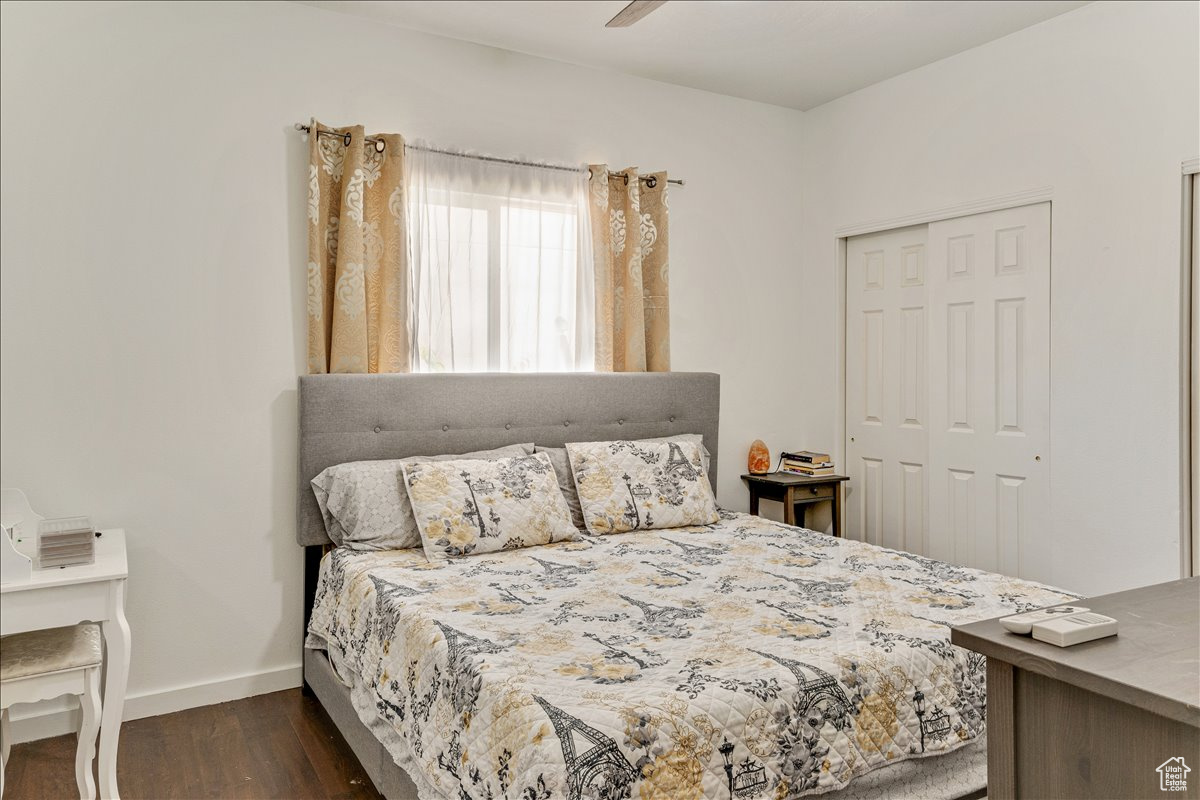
1113,718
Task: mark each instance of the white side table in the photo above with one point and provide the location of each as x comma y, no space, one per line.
54,598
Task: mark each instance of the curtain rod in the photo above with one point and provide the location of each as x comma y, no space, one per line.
380,144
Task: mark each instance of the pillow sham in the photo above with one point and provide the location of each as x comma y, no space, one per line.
364,504
474,506
628,486
566,477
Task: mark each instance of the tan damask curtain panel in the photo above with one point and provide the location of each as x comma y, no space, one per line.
630,247
357,252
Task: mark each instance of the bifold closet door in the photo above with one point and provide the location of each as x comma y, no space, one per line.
887,388
989,377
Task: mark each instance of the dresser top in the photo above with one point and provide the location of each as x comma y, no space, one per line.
1152,663
110,565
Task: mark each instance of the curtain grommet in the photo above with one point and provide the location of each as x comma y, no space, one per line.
380,145
346,140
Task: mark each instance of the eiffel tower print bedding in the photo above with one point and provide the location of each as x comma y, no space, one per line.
739,659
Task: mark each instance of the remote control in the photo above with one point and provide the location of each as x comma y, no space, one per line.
1074,629
1023,623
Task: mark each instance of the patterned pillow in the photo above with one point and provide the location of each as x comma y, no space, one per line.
472,506
627,486
566,478
364,504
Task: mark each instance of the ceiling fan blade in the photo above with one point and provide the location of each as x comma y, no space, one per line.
633,12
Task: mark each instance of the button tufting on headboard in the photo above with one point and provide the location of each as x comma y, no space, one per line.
378,429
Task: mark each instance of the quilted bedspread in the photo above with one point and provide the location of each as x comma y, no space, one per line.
740,659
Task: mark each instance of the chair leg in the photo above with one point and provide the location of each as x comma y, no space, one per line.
5,744
5,738
85,752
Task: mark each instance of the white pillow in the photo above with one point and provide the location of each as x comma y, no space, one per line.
566,478
364,504
626,486
471,507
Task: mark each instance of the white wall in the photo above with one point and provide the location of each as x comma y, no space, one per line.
1100,104
152,275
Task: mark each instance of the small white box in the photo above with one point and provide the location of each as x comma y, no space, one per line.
1075,629
1023,623
66,542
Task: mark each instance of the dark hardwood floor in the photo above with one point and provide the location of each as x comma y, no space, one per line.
279,745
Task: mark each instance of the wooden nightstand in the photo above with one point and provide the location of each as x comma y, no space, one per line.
796,492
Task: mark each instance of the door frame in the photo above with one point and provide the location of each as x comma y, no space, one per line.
1189,455
1028,197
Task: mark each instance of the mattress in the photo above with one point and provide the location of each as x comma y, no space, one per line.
740,659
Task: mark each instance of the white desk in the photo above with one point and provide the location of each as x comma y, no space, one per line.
54,598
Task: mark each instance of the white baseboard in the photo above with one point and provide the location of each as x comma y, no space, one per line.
56,717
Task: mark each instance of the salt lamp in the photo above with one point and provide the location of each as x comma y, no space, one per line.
759,461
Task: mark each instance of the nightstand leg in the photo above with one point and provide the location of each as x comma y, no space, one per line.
789,508
753,501
837,510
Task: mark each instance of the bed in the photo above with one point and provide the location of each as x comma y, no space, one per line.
738,659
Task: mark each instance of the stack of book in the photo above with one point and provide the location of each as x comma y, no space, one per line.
806,462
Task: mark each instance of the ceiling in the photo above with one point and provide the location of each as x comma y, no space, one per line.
794,54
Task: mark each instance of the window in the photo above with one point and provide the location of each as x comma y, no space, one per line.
501,269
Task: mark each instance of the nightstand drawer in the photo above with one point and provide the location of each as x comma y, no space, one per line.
822,492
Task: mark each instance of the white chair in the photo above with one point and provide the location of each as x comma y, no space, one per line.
41,665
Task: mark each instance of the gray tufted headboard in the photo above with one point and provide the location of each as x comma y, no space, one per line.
363,417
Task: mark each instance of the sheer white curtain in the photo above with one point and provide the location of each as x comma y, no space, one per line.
501,264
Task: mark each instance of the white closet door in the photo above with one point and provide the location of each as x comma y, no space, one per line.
887,388
989,336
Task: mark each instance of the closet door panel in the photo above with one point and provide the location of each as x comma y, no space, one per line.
887,388
989,298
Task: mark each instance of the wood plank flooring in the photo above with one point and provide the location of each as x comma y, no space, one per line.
279,745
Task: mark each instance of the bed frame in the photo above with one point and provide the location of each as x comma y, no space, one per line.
362,417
